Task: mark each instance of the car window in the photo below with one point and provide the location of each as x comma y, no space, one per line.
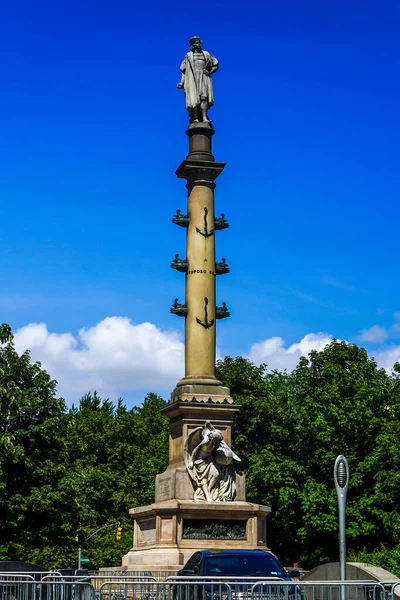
244,565
194,562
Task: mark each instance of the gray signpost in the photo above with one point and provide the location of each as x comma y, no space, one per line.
341,477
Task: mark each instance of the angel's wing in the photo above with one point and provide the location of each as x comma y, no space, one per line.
229,451
193,439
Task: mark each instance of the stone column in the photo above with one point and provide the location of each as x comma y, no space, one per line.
200,170
199,396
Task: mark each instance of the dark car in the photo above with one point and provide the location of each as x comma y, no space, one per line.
238,566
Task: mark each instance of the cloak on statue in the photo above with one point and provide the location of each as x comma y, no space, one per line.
196,84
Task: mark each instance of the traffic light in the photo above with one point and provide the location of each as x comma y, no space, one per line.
119,533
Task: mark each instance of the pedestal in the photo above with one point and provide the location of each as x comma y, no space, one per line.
163,532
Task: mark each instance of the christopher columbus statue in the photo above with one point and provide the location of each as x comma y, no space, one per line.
197,68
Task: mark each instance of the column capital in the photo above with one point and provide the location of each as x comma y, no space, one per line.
196,171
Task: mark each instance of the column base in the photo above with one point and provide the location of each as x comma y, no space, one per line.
166,534
201,390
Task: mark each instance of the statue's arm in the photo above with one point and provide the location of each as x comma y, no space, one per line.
214,65
183,70
193,456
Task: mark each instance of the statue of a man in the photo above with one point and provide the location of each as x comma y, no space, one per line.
197,68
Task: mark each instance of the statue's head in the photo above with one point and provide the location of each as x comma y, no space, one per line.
195,43
217,436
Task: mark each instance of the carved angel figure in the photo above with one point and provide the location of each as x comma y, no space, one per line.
211,465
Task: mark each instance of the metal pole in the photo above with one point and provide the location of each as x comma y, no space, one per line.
341,477
78,539
79,550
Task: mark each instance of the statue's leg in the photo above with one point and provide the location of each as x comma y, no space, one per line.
196,115
204,108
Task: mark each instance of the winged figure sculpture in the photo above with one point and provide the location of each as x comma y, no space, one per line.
211,464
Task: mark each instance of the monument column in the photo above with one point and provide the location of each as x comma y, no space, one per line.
200,500
200,170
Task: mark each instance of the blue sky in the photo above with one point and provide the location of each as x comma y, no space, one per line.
93,128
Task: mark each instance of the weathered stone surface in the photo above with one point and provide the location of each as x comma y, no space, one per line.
171,549
176,484
201,391
186,416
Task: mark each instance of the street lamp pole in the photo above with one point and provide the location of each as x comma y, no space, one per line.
77,538
341,477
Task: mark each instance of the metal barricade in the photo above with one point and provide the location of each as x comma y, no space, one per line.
22,587
132,588
318,590
123,586
12,586
275,588
392,590
171,589
158,575
117,583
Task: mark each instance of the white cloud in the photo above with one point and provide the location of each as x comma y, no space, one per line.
376,333
113,357
273,352
387,357
117,357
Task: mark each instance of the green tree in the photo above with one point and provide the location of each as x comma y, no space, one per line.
113,455
31,448
335,402
6,334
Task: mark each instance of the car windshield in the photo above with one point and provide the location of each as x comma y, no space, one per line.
245,565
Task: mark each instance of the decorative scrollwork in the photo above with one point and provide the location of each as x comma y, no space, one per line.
181,220
178,309
221,223
222,312
179,264
221,267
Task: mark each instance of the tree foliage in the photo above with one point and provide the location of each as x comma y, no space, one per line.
69,472
335,402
